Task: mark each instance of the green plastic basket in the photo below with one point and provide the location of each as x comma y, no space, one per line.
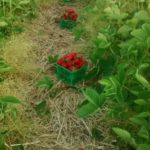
68,0
69,24
71,77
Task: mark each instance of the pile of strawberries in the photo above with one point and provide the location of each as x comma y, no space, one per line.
71,61
70,14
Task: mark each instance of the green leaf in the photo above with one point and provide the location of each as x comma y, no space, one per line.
109,89
92,96
141,1
142,16
86,109
45,82
4,67
112,87
115,13
148,42
128,47
102,41
121,73
149,7
139,34
139,121
102,37
52,59
141,102
24,2
124,30
132,22
143,147
3,24
41,108
96,133
143,115
118,89
123,134
19,147
140,78
143,133
9,99
2,144
146,28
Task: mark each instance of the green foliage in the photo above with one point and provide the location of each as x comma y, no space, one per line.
53,59
7,109
91,104
85,109
96,133
114,13
9,100
2,144
41,108
119,50
12,12
125,135
143,147
5,102
45,82
4,67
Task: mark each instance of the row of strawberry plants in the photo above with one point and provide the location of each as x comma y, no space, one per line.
12,13
120,53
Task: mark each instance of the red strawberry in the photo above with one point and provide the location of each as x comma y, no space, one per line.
77,66
65,16
64,65
70,68
70,14
70,10
73,53
77,61
74,16
60,61
81,62
69,64
70,55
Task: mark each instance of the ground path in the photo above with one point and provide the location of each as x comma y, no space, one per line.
61,130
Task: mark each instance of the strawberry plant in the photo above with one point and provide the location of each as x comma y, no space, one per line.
42,108
120,53
6,109
45,82
11,12
4,67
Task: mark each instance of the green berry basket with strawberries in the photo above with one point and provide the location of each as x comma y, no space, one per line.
69,19
71,68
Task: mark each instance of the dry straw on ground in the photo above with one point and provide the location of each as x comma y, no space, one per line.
61,130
